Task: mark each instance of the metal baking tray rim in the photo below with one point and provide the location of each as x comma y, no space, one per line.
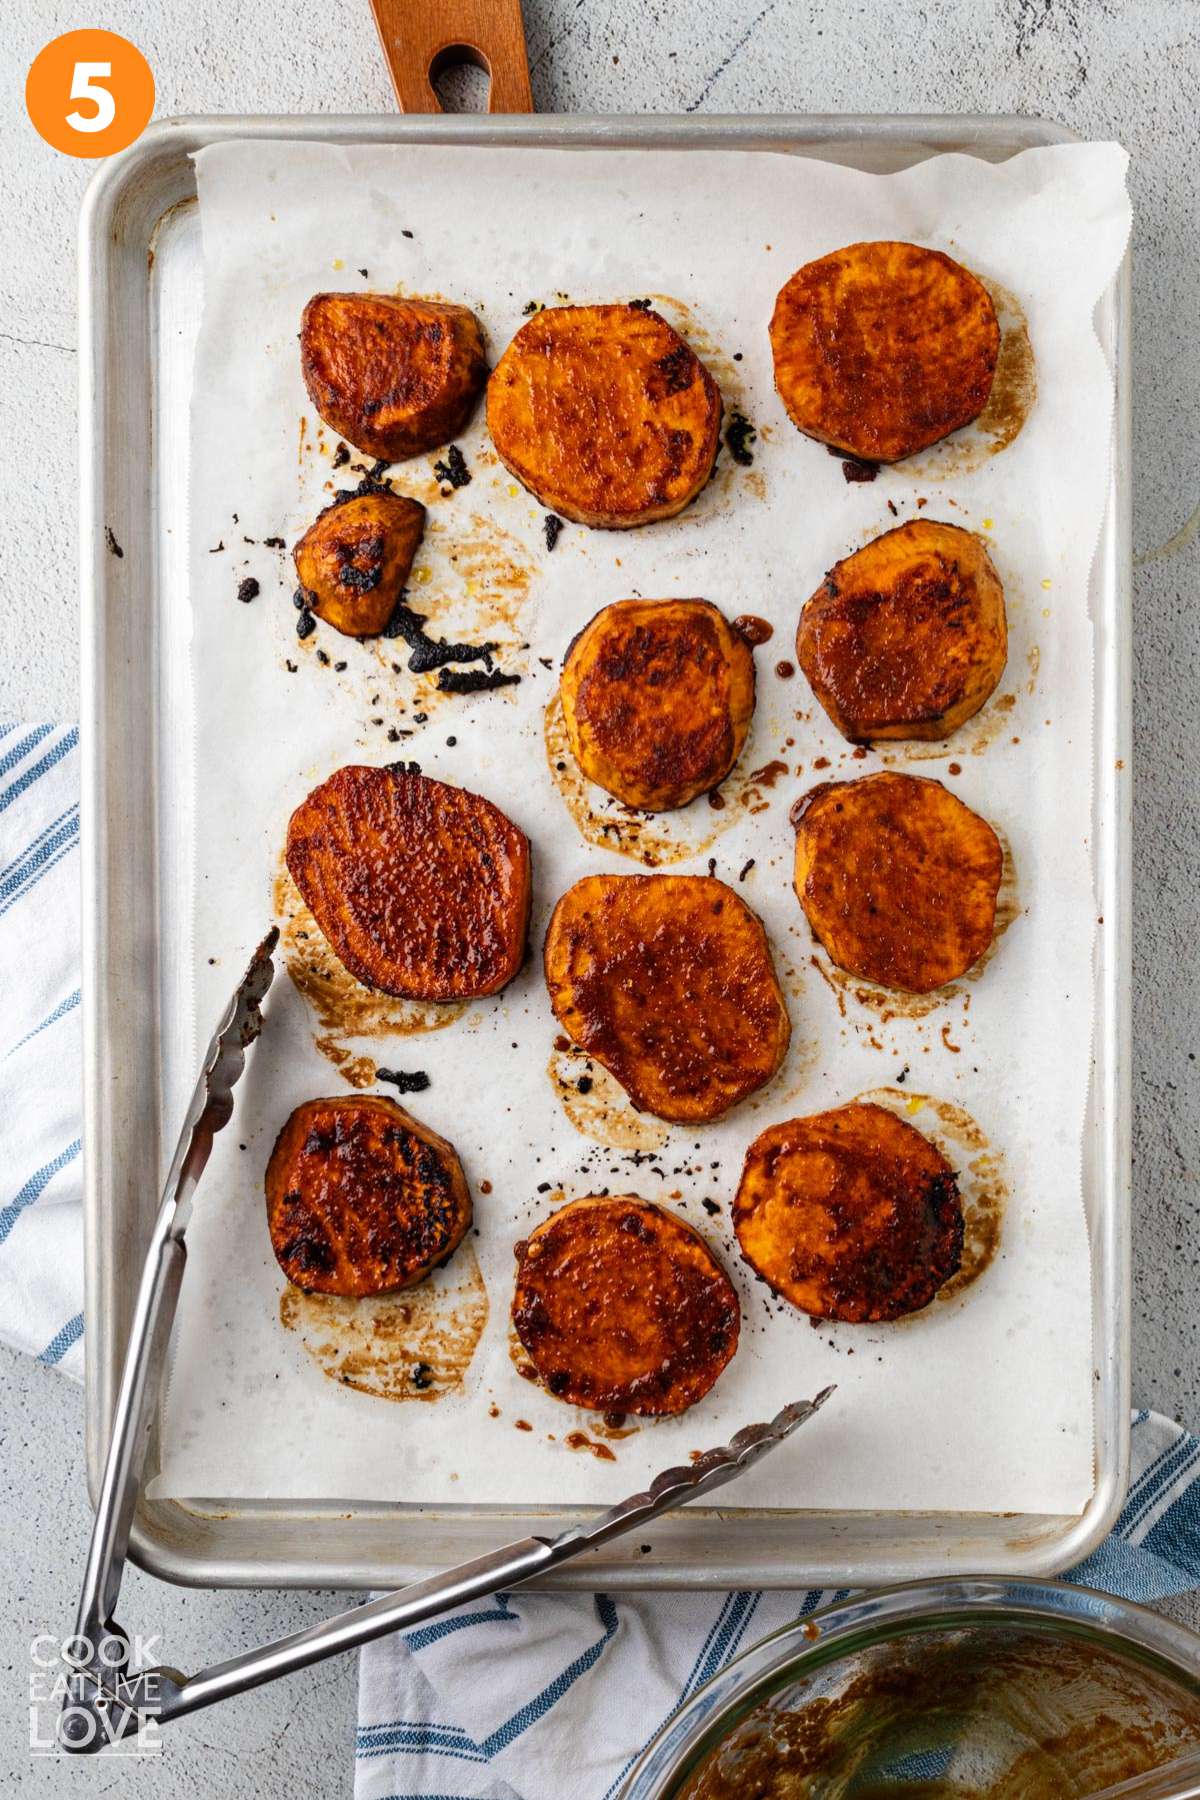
304,1545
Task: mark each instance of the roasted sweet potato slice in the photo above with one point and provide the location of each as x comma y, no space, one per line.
881,349
898,878
361,1198
668,981
908,637
622,1307
422,889
850,1214
657,697
354,559
605,414
394,377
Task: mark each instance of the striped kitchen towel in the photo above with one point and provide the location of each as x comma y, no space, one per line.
41,1250
541,1696
520,1697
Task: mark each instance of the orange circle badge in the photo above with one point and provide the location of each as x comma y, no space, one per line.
90,93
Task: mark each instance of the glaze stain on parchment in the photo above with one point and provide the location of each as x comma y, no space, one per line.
594,1433
414,1345
346,1011
891,1003
980,1168
1014,391
653,839
972,739
470,580
603,1111
730,481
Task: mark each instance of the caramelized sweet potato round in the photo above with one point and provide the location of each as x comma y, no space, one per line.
361,1198
623,1308
394,377
883,348
908,637
605,414
898,878
668,981
657,697
422,889
354,559
850,1214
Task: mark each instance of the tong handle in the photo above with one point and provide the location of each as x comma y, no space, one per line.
420,41
153,1316
165,1694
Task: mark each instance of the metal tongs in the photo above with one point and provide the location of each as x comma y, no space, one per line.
105,1699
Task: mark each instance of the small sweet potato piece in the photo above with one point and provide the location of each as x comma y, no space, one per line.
668,981
850,1214
395,377
657,697
907,637
354,559
361,1198
883,348
622,1307
422,889
898,878
605,414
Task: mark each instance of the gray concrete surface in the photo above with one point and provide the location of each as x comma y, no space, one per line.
1106,68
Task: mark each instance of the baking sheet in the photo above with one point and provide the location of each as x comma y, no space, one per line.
982,1403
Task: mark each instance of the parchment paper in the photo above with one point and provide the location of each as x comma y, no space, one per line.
983,1401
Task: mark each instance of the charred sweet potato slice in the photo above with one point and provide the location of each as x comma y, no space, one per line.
898,878
668,981
422,889
657,697
850,1214
622,1307
605,414
908,637
354,559
361,1198
881,349
394,377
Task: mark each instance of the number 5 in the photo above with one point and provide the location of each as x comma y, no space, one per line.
84,87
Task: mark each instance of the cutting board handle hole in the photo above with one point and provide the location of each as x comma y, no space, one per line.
461,77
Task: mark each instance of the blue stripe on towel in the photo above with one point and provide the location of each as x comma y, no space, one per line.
429,1634
60,1012
1167,1468
58,1346
44,833
34,1187
16,788
39,874
554,1691
1176,1536
19,752
39,855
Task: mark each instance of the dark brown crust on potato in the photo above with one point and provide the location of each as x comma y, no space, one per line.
354,559
395,377
657,697
850,1214
622,1307
883,348
907,637
361,1198
605,414
422,889
668,981
898,878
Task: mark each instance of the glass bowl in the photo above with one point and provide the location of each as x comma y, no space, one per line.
971,1689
